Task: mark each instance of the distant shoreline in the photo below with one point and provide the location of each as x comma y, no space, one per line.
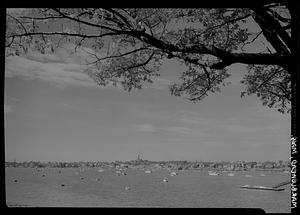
162,168
17,205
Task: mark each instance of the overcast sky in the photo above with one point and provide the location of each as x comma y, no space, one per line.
55,112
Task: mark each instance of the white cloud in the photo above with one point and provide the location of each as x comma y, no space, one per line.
168,130
236,71
63,68
248,122
180,129
145,128
7,109
58,73
191,117
159,83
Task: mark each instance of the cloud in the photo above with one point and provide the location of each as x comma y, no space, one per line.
145,128
7,109
180,130
236,71
58,73
247,122
168,130
159,84
64,68
191,117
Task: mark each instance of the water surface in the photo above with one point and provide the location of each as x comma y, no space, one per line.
190,188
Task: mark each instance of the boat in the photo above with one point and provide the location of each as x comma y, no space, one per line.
100,170
262,174
165,180
230,174
119,172
257,187
248,176
174,173
214,173
148,171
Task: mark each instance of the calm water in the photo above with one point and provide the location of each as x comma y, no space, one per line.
190,188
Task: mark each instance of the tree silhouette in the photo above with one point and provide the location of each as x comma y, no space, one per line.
130,44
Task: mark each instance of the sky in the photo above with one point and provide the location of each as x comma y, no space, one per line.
53,111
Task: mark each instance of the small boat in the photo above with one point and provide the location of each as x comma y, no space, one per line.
100,170
230,174
248,176
286,171
262,174
214,173
257,187
165,180
127,188
174,173
148,171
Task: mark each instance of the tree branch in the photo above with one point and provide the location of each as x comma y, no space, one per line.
141,64
116,56
64,34
119,15
42,18
266,22
229,21
18,22
84,22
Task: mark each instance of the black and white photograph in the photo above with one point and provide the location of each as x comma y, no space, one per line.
151,107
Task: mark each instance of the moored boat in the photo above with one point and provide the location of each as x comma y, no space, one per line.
214,173
174,173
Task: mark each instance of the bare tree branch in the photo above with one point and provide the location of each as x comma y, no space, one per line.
64,34
116,56
18,22
84,22
141,64
119,15
267,22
